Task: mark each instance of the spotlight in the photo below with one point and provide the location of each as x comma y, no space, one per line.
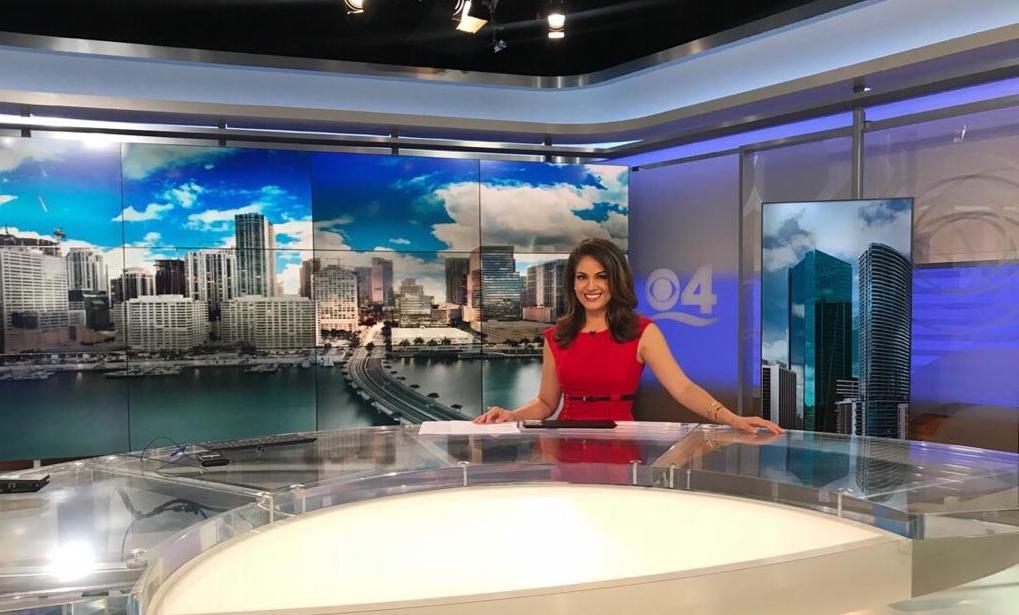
354,7
556,21
860,88
473,16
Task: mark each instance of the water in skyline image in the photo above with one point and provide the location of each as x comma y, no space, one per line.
835,310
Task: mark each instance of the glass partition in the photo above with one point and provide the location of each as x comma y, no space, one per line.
812,171
963,173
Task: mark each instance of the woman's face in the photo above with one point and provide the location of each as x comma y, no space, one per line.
591,284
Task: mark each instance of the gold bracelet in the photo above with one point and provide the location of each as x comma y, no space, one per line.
713,411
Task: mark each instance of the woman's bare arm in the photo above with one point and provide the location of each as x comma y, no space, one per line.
654,351
542,406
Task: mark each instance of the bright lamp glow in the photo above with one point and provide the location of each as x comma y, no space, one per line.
470,23
557,23
354,6
72,560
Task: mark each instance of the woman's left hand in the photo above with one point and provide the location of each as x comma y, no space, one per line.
751,424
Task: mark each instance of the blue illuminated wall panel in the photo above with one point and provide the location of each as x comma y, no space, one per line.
686,269
965,353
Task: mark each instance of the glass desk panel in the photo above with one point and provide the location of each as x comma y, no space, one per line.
892,484
95,529
620,456
121,525
338,455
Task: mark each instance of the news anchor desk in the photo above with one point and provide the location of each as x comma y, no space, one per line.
453,518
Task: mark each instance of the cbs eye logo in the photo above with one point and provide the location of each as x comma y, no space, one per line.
663,290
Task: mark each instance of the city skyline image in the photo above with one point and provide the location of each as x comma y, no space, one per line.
207,293
60,233
835,313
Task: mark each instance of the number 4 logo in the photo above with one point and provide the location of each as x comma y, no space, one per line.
698,291
664,290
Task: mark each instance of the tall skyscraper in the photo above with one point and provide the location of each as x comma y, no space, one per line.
42,246
270,323
335,295
848,418
543,298
170,277
86,270
529,295
494,284
414,306
33,299
410,286
364,285
135,282
211,276
256,255
820,334
308,269
166,322
886,295
457,270
96,306
778,395
382,281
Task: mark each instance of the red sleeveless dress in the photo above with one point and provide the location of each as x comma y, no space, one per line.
596,365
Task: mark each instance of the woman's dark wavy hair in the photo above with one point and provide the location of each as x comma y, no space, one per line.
623,321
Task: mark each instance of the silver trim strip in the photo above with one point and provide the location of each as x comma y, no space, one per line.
248,137
157,52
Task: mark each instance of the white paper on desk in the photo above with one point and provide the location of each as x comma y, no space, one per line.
464,428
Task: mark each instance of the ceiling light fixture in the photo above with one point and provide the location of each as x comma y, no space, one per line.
354,7
859,87
473,16
556,20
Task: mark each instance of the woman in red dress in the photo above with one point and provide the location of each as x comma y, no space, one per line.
594,355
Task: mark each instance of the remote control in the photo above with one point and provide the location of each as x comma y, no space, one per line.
18,484
210,459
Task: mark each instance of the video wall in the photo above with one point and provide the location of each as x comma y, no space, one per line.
207,293
836,305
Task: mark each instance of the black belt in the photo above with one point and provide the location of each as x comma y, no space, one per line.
627,397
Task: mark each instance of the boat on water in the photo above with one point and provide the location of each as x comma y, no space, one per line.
144,371
26,374
262,368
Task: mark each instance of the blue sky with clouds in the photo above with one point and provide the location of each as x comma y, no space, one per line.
190,195
425,204
177,198
49,184
842,229
538,207
402,203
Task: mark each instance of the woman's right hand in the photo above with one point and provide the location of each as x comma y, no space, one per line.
495,414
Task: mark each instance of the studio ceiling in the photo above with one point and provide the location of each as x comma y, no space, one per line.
600,34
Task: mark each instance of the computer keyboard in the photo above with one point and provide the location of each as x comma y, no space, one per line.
259,442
